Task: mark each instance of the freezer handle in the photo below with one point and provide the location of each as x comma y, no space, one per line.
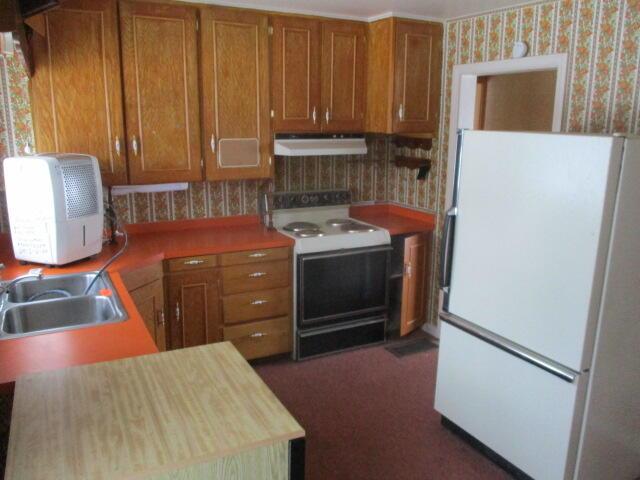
540,361
445,247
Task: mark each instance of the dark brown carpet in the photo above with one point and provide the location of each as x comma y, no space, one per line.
369,415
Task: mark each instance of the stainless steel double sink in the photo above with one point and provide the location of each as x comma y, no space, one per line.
57,302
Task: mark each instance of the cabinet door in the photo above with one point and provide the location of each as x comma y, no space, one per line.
149,300
76,91
295,74
235,78
160,66
415,283
193,308
343,76
418,57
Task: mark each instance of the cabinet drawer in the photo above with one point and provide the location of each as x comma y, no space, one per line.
261,339
191,263
251,277
256,305
254,256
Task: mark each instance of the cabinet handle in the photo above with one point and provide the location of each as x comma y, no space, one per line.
258,335
326,115
401,112
314,115
258,302
407,269
257,255
193,262
178,312
116,145
212,143
134,145
161,318
257,274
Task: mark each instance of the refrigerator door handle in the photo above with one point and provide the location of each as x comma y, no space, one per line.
540,361
446,246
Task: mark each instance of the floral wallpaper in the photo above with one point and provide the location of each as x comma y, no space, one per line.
602,40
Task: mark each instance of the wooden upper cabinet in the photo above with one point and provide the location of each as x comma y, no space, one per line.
403,76
295,75
415,281
417,76
160,71
343,76
235,78
76,91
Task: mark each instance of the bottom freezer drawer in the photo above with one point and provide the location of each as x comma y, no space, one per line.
526,415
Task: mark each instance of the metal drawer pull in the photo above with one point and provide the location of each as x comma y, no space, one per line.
212,143
178,312
257,255
257,274
313,115
258,335
161,318
401,112
258,302
194,262
117,146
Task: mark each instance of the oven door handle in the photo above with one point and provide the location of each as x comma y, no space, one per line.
345,252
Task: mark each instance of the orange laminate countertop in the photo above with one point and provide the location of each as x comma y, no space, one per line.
148,243
396,219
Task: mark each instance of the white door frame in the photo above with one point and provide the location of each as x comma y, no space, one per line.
463,95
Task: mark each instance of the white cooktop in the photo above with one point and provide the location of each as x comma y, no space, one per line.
334,237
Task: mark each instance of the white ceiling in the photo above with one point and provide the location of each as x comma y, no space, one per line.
374,9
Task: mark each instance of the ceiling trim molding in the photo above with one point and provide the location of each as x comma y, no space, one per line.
410,16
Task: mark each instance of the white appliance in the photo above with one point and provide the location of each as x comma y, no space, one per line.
55,207
540,336
305,145
340,271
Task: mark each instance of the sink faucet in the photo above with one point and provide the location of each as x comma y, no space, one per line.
4,287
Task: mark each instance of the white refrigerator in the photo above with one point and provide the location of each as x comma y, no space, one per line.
539,355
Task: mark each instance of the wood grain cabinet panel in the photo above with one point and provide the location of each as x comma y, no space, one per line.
404,65
261,339
260,276
243,307
343,76
160,71
418,60
76,90
193,304
235,78
295,74
149,300
415,282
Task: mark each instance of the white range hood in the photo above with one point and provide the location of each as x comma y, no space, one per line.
315,146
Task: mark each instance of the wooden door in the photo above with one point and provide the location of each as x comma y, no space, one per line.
416,281
295,74
235,78
418,58
194,309
149,300
76,91
343,76
160,66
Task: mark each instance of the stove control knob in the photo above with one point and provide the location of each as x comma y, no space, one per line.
304,199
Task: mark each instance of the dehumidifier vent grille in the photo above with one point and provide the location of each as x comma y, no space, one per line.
80,190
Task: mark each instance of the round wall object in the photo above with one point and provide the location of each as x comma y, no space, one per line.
520,49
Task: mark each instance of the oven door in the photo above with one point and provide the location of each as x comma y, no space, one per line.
342,285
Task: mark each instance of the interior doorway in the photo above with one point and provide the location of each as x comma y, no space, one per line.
515,101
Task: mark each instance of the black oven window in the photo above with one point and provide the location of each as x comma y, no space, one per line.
338,286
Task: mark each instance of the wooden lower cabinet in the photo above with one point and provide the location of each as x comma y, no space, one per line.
415,281
257,301
149,300
192,300
261,339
